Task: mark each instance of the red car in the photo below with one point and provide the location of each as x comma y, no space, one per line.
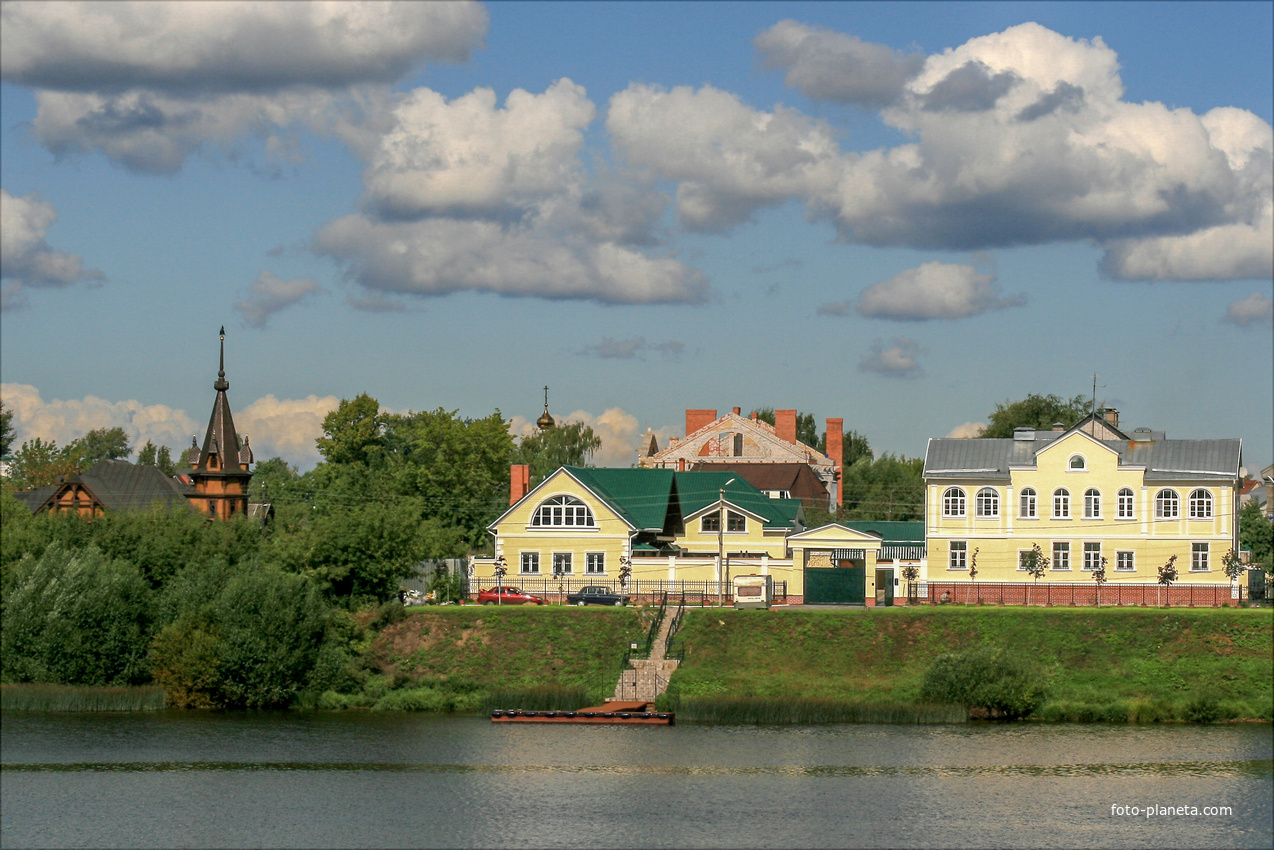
507,596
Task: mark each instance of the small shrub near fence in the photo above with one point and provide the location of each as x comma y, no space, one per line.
40,697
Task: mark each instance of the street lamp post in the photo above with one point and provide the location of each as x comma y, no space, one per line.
499,580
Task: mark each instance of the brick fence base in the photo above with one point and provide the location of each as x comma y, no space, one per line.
1075,593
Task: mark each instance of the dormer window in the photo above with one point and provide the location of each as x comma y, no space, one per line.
563,512
1078,462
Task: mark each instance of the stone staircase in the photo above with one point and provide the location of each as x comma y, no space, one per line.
649,676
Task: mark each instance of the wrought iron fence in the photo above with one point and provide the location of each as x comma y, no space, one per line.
640,591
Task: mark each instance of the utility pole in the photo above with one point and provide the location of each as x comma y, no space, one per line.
721,535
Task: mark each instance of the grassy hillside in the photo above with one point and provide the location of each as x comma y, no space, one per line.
1100,664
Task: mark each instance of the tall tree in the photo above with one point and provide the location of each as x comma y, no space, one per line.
571,444
1256,533
101,444
39,464
353,432
6,430
1035,411
888,488
157,456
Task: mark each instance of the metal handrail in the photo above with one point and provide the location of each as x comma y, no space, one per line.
653,631
672,633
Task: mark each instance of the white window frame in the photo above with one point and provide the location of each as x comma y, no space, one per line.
958,557
1062,501
953,502
1092,503
1092,557
1127,501
1077,467
1026,503
1021,556
1199,553
1061,556
1167,504
986,504
1125,556
567,562
594,563
1200,504
529,563
563,512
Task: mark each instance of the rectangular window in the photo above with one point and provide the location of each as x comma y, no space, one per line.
1092,556
710,523
530,562
1022,555
561,563
959,549
1199,558
1061,556
1027,504
735,522
1124,562
595,562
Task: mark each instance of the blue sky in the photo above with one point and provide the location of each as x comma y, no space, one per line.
898,214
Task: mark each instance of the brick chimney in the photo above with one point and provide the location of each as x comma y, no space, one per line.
785,425
696,419
681,464
1112,417
735,411
836,451
519,481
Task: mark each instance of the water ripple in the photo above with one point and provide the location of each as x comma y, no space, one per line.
1248,767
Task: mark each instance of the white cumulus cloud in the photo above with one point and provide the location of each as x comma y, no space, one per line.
286,428
25,257
828,65
935,290
148,83
967,430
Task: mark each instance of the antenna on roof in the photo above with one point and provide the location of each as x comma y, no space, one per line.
1095,386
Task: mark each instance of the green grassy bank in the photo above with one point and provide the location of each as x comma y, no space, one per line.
1115,665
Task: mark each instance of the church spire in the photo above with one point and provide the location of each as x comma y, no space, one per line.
221,384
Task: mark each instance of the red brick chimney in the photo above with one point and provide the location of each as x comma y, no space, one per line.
696,419
519,481
836,451
735,411
785,425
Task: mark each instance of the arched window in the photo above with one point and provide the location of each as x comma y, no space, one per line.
987,502
1061,503
1026,503
1125,503
563,512
1167,506
1092,503
953,502
1200,505
1077,462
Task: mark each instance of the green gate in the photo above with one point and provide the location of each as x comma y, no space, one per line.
842,585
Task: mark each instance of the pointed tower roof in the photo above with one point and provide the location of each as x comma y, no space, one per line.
222,453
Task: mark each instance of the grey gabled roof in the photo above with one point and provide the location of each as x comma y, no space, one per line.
1164,460
122,486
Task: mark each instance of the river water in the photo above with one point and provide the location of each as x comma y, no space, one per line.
201,779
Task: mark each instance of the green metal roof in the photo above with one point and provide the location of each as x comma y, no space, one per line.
896,532
641,496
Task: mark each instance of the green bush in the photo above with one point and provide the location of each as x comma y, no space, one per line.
1202,708
984,678
74,616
